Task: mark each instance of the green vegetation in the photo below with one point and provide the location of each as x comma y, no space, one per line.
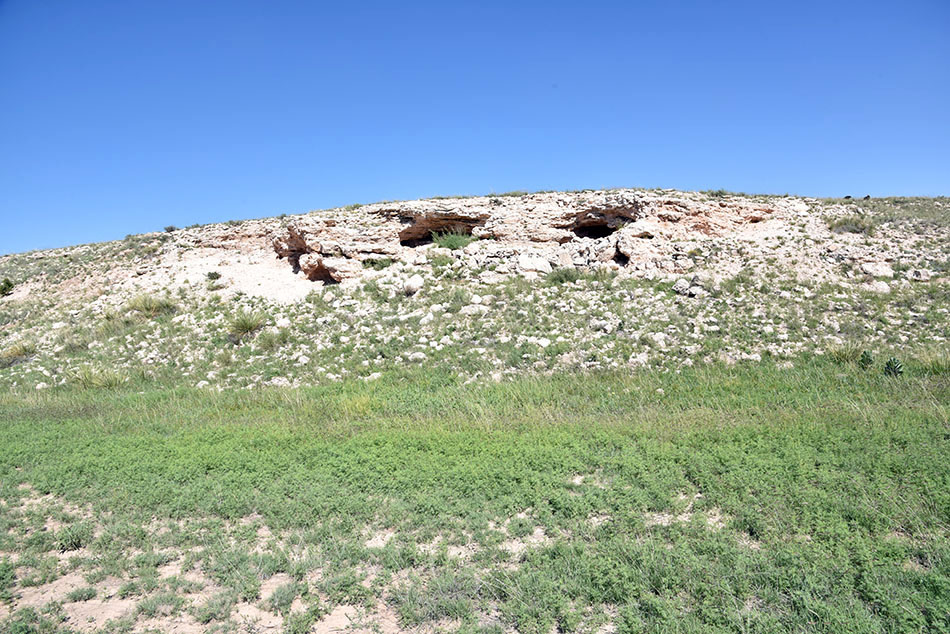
377,264
854,223
151,306
246,323
453,239
6,287
728,499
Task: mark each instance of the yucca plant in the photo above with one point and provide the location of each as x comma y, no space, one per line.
893,367
866,360
245,323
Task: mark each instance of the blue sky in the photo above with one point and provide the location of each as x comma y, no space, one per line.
124,117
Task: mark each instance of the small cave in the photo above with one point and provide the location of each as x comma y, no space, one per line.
621,259
421,230
597,227
594,231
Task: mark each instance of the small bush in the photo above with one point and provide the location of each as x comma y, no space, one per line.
453,240
213,275
151,306
245,323
854,223
170,228
6,287
866,360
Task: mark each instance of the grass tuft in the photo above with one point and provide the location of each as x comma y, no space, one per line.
245,323
854,223
151,306
453,239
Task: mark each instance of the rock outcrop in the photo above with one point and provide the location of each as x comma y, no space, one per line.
530,234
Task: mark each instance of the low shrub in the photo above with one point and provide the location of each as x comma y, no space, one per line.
6,287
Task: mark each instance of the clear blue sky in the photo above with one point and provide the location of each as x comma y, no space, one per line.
126,116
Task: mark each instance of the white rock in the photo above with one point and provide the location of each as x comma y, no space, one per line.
877,269
533,264
417,357
473,309
681,286
413,285
42,386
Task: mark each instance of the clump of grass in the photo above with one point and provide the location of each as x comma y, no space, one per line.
6,287
377,264
245,323
269,341
453,239
217,608
567,275
282,598
854,223
845,353
7,577
81,594
151,306
934,361
73,537
17,353
89,377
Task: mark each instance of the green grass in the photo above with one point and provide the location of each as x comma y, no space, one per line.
830,485
151,306
854,223
453,239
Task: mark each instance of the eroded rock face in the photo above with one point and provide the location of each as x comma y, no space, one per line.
619,228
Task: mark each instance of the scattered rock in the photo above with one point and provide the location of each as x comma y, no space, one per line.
413,285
